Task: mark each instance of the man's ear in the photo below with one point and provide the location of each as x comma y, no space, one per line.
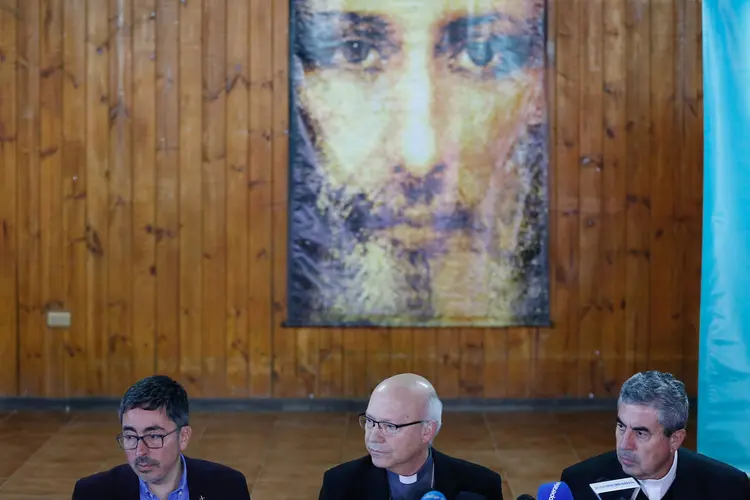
428,431
676,439
185,434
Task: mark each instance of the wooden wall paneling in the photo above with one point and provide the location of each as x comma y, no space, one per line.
638,297
307,359
471,365
148,196
213,331
378,366
260,191
558,349
690,182
191,197
50,181
97,202
664,347
521,344
9,28
495,358
30,317
591,133
238,214
74,195
167,227
402,354
120,201
448,369
612,253
355,362
331,371
144,188
284,359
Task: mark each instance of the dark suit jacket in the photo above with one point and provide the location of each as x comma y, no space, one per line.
205,480
360,479
698,477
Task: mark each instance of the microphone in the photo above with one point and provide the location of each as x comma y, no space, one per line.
525,497
554,491
433,495
616,489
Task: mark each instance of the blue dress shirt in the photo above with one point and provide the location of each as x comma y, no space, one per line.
181,493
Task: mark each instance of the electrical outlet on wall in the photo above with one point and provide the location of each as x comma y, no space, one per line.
58,319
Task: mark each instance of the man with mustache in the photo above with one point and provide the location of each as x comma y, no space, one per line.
402,419
652,414
155,432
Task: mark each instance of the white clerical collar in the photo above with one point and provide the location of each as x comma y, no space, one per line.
655,489
407,479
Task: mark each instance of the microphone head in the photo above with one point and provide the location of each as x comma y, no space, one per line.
525,497
433,495
554,491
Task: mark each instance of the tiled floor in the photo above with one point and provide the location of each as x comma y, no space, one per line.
284,455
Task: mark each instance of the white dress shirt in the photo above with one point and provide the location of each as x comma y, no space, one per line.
655,489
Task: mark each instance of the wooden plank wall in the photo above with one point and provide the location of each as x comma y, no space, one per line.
143,188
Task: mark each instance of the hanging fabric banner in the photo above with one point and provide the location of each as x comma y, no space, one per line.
724,359
418,163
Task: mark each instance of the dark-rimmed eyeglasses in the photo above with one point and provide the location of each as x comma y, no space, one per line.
151,440
389,428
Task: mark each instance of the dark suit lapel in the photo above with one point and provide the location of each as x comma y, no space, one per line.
196,485
377,484
684,485
445,481
128,485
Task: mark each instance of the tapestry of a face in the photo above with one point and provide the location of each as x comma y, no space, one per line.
418,163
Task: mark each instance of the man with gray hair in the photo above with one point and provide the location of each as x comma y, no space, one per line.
652,415
402,419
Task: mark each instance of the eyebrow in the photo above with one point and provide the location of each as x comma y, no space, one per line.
339,24
147,429
470,21
376,420
641,428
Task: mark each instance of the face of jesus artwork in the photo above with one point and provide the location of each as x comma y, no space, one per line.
418,163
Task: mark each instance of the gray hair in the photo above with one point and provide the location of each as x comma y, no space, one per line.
434,411
662,392
156,392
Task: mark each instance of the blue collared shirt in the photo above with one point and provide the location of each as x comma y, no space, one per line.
181,493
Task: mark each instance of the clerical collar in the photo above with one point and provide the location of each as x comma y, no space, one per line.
425,469
655,489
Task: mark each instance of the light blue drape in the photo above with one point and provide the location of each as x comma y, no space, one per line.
724,359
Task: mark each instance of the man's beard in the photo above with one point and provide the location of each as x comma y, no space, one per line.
350,265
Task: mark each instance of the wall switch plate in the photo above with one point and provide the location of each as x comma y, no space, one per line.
58,319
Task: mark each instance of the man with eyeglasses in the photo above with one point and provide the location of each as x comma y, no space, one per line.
403,417
155,432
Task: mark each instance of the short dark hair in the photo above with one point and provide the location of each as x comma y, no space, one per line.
156,392
661,391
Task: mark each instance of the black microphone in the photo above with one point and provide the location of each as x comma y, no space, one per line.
525,497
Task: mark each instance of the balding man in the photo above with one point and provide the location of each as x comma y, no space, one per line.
402,419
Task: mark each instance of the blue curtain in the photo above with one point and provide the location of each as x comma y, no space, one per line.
724,359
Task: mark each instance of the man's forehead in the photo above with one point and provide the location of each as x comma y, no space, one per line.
434,8
138,418
638,415
390,406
